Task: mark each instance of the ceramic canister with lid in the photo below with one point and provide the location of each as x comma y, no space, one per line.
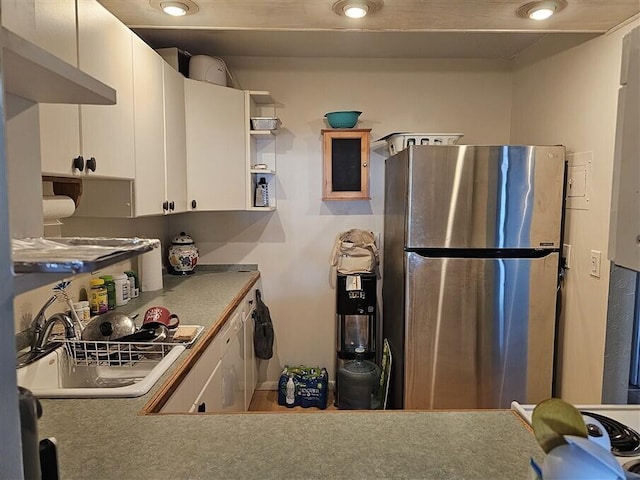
183,255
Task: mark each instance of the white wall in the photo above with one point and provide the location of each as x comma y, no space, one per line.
292,244
570,98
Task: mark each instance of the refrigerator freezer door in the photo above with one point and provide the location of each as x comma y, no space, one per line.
496,197
479,332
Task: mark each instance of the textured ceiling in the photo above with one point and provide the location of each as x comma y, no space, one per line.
401,28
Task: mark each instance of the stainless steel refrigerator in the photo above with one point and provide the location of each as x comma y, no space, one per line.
472,241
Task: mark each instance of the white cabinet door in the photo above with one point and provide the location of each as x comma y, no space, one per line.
175,140
148,96
232,364
224,390
183,398
187,397
59,139
215,133
211,398
105,52
51,25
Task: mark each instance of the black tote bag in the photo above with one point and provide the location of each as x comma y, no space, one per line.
263,333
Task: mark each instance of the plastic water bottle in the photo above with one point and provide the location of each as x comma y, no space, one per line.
291,392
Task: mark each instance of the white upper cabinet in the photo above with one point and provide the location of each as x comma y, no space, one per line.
51,25
149,184
160,185
216,157
175,140
105,52
93,140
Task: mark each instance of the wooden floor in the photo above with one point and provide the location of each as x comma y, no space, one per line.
267,401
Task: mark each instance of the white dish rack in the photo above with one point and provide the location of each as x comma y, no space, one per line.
397,142
117,354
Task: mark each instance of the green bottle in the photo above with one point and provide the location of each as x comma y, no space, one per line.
110,285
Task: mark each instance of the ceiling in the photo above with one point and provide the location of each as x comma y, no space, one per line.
401,28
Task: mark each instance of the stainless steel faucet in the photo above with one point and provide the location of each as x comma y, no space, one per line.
43,337
41,326
38,322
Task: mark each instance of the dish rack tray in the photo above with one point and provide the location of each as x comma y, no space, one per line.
106,353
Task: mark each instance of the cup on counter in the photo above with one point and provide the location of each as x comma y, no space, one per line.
160,315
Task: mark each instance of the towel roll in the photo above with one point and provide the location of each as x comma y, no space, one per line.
55,207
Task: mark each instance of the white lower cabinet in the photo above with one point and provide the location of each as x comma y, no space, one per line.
211,398
224,390
224,377
183,398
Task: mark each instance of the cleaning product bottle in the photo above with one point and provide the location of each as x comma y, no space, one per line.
291,392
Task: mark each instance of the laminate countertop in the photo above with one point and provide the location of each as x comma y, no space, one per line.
112,439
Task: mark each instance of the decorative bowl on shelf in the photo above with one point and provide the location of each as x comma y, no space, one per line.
343,119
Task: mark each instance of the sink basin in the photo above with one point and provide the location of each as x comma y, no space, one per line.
56,376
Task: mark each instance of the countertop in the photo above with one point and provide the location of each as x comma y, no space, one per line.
110,439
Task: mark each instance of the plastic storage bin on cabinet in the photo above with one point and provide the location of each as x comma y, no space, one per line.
397,142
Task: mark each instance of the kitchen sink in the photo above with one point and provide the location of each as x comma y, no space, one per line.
57,375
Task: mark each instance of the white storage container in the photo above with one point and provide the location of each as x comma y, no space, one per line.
208,69
397,142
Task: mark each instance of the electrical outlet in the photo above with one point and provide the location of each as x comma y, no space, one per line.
594,263
566,254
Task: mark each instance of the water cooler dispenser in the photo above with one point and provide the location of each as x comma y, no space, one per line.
356,339
356,315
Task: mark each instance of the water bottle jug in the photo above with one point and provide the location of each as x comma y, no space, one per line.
357,383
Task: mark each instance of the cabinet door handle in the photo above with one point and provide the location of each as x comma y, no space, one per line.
78,163
202,408
91,164
364,164
193,204
172,205
165,205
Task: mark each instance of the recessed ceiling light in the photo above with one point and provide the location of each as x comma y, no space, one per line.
541,10
356,8
175,9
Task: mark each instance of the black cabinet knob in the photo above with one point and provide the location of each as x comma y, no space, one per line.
193,204
202,408
78,163
165,205
172,205
91,164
